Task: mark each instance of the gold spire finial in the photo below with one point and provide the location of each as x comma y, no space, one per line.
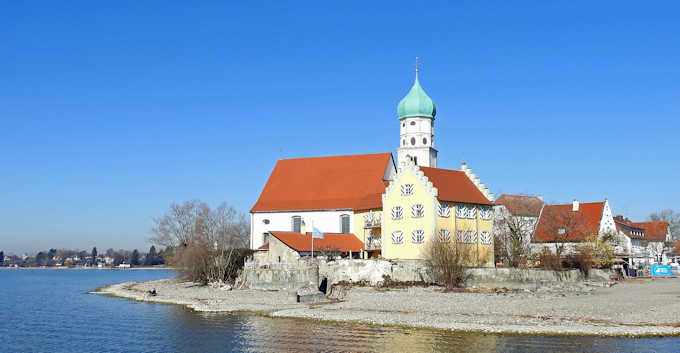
416,64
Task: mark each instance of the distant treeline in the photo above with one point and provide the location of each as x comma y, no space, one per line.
82,258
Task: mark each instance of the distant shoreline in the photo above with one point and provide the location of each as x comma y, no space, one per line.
89,268
602,313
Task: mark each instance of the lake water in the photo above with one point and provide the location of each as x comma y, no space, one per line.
50,311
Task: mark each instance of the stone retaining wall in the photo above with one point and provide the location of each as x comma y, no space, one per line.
289,278
312,273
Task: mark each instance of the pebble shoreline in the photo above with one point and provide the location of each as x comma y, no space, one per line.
640,307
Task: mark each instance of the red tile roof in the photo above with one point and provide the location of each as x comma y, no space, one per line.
330,241
521,205
627,227
580,224
455,186
654,231
322,183
676,248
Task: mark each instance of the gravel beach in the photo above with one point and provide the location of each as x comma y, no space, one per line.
636,307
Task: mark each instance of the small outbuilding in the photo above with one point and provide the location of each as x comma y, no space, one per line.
288,247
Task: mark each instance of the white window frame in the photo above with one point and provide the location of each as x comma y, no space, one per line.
406,189
397,237
418,210
418,236
444,236
397,213
443,210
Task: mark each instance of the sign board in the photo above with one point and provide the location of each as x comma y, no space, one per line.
661,271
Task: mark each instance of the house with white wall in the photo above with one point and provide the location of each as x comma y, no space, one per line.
659,238
567,225
335,194
516,214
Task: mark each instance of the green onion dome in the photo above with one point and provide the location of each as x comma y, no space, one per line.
416,103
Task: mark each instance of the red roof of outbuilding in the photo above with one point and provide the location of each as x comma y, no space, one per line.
521,205
581,224
654,231
454,185
676,248
322,183
330,241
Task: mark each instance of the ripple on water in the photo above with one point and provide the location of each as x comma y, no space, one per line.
47,310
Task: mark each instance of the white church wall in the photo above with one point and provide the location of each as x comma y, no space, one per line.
324,221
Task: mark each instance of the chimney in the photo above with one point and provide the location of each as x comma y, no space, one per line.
575,205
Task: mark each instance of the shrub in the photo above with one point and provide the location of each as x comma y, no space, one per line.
549,261
446,263
204,264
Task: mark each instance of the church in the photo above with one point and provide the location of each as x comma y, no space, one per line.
394,208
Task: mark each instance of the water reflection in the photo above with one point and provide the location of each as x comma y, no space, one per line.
48,311
250,333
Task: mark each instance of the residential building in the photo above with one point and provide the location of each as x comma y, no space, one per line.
516,216
631,243
425,204
659,238
565,226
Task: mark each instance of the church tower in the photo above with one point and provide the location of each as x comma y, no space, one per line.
416,127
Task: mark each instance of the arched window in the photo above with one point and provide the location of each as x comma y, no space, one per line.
413,141
424,141
344,224
296,224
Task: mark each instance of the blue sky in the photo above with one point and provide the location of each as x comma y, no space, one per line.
110,112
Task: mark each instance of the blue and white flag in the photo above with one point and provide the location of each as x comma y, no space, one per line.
316,233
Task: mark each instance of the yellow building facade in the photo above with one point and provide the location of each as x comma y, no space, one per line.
416,213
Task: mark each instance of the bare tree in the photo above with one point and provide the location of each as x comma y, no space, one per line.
670,216
563,225
207,241
447,261
512,236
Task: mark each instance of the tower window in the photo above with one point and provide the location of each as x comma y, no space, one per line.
403,142
413,141
403,125
424,141
413,123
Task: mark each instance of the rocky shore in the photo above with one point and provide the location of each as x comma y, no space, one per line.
640,307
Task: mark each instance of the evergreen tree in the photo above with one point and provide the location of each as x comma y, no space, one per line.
134,259
151,257
52,253
94,255
2,256
41,259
